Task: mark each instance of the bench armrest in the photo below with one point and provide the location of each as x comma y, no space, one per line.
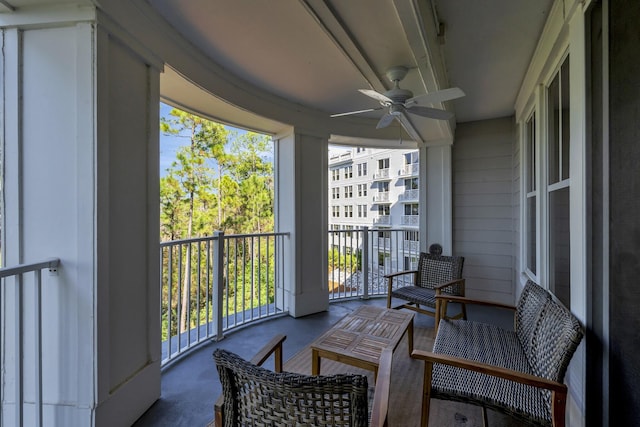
465,300
272,347
399,273
485,368
381,395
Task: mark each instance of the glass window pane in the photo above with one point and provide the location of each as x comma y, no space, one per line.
564,75
530,153
553,151
531,234
559,245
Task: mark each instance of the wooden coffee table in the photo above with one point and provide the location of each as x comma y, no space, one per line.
359,338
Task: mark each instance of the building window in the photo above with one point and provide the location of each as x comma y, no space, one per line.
362,169
335,193
558,137
335,211
531,194
348,172
383,210
362,190
348,191
411,158
383,164
411,184
360,149
362,211
411,209
335,175
383,186
348,211
411,235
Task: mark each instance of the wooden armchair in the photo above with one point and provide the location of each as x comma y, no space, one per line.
436,275
252,395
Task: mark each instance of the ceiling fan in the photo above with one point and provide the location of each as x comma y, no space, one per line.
399,100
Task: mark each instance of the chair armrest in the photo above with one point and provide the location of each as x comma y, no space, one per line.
381,395
399,273
465,300
496,371
272,347
444,285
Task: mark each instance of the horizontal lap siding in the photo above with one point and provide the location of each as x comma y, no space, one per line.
484,215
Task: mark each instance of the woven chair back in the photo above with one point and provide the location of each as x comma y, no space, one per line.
434,270
254,396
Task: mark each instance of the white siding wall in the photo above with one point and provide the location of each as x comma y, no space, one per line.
483,207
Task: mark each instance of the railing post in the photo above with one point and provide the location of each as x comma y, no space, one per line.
364,262
218,282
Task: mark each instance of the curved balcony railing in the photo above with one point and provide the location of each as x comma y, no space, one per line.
359,259
213,284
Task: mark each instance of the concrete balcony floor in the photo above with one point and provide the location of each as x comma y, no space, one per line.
190,385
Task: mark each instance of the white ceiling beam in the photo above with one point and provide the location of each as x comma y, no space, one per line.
344,41
419,23
5,6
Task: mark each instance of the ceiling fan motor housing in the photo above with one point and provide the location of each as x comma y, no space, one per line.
398,95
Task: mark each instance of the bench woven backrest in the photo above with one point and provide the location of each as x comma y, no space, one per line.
256,396
548,332
435,270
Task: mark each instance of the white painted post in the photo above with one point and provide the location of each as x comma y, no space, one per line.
364,262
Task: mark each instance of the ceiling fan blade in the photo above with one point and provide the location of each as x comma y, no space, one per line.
432,113
385,121
348,113
375,95
437,96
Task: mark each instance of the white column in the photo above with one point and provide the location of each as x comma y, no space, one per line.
436,198
301,209
80,133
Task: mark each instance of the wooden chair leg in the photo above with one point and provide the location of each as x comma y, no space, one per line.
426,393
558,408
464,311
389,293
485,421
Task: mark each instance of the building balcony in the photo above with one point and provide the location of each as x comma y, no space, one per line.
410,170
382,175
382,197
411,246
382,220
410,220
340,158
409,195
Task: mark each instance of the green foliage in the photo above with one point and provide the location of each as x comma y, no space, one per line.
349,263
220,180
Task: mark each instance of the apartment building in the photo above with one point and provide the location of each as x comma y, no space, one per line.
376,190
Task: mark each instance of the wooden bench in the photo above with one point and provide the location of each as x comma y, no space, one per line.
517,372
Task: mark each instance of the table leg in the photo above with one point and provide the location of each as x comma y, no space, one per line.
410,332
315,362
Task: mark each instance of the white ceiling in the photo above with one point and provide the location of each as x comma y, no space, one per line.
278,63
318,53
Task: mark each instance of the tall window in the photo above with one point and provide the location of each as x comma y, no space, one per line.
558,184
383,210
362,169
383,186
348,191
530,245
348,172
362,190
383,164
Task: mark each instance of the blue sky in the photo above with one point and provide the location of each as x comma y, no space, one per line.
169,144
